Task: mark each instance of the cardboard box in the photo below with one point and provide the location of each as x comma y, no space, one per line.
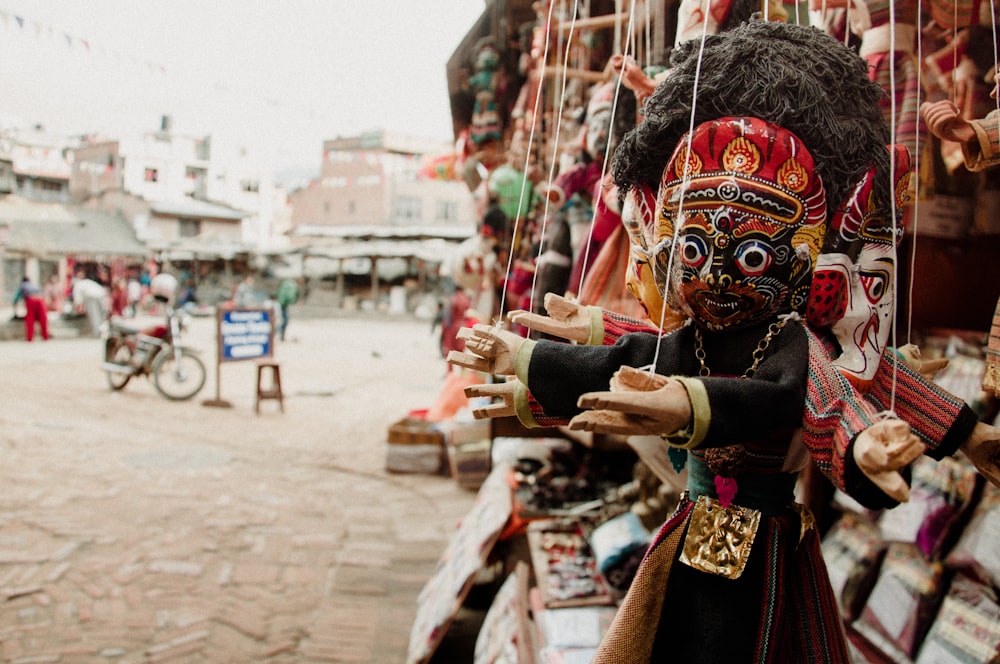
427,459
470,463
414,431
470,452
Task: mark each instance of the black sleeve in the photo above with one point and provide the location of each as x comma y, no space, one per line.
770,402
560,372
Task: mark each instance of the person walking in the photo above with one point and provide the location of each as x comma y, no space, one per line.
34,304
245,296
88,298
287,295
55,294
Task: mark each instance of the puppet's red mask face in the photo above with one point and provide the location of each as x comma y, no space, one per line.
852,292
749,213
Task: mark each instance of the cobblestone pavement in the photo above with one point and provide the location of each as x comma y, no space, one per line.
135,529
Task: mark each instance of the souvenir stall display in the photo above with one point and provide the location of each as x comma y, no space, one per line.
732,328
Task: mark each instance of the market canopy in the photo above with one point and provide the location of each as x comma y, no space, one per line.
48,229
190,207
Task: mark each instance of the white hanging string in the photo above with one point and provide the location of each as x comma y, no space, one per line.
527,154
916,170
685,181
649,39
629,44
892,195
555,150
993,25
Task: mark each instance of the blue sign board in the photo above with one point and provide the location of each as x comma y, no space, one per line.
245,334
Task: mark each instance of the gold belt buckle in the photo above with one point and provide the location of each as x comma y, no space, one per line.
719,538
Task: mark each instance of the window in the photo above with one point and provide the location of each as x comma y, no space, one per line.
407,208
152,175
189,227
251,186
446,211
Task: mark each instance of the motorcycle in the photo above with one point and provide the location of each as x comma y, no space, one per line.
178,373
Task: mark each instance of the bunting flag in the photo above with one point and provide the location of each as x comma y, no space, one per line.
39,30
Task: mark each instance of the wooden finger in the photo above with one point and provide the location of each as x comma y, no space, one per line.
468,361
493,410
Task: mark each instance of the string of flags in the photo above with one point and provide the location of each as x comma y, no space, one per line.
38,29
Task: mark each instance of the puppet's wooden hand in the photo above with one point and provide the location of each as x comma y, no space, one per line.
926,368
882,449
633,77
567,319
638,404
503,391
945,121
490,350
983,450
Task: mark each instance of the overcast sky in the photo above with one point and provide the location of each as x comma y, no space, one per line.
263,72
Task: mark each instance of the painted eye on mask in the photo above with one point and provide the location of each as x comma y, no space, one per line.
694,251
874,282
754,258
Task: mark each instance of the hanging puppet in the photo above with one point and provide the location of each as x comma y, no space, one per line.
748,193
485,85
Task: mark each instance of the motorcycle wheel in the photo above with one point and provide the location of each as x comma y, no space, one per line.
118,353
178,379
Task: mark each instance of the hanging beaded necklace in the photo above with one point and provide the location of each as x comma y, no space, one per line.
758,353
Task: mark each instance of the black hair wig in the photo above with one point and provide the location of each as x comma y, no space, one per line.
796,77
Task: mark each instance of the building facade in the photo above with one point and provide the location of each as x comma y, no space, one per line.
181,190
374,179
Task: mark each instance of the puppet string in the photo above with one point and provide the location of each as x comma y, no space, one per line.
527,152
555,153
685,180
954,55
847,21
629,45
916,172
647,27
993,25
892,195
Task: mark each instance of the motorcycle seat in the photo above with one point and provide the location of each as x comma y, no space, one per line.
123,327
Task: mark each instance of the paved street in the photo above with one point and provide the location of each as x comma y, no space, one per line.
135,529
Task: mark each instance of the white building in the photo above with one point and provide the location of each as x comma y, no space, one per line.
183,192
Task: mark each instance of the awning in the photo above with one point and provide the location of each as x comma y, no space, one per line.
51,229
430,251
195,209
453,233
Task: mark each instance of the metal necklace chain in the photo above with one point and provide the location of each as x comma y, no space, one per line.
758,353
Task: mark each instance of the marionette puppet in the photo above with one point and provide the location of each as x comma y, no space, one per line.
941,420
979,138
484,84
747,193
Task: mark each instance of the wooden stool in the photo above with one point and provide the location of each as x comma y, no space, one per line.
273,391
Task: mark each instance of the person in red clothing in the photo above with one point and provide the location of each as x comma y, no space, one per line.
34,303
119,298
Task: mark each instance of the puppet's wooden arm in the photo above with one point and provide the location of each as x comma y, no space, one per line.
566,319
881,450
503,391
490,350
639,403
983,450
910,353
945,121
